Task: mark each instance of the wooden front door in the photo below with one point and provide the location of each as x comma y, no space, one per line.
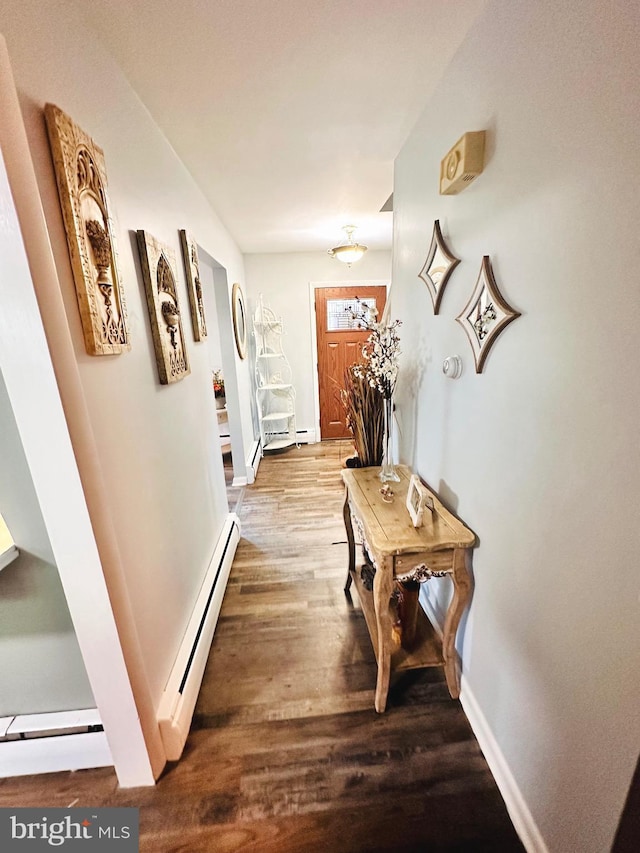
339,346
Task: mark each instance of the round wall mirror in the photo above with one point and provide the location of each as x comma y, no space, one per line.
239,320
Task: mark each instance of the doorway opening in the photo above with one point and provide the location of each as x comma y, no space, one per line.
224,384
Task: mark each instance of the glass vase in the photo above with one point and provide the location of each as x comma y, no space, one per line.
388,472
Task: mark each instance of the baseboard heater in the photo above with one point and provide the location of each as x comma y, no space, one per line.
256,453
178,700
52,742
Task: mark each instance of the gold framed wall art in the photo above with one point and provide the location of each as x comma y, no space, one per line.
82,187
160,276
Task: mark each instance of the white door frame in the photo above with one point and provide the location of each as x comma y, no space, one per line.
313,286
230,364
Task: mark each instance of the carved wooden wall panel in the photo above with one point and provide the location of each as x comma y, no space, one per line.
194,285
82,186
160,275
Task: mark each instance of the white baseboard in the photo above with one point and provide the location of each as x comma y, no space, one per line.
306,436
519,813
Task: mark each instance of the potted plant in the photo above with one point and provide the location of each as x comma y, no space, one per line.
218,389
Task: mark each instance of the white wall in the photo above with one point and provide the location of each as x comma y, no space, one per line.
284,280
40,661
539,454
156,444
70,542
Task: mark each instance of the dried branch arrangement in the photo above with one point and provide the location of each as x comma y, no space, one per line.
364,405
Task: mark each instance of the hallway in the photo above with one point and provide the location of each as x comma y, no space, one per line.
287,699
286,752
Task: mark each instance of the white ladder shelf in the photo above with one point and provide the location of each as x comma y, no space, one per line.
275,394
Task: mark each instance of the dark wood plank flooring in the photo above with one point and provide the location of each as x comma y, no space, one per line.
286,752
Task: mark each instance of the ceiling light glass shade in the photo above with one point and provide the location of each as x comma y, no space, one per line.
350,252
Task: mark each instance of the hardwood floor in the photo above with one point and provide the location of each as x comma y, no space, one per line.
286,752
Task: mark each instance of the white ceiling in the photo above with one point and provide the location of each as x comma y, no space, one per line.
288,113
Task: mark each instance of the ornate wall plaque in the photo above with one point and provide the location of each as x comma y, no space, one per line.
82,186
485,315
194,286
439,265
160,275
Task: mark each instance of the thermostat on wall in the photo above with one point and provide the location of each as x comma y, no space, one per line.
463,163
452,366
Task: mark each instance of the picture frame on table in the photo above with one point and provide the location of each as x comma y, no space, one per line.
417,499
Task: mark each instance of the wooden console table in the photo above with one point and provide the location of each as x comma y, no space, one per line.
398,550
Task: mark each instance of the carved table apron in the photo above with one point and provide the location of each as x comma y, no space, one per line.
399,551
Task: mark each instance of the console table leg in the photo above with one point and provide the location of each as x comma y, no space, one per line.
382,590
461,595
348,526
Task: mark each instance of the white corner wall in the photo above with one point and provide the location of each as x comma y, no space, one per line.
65,536
284,281
40,660
157,446
539,453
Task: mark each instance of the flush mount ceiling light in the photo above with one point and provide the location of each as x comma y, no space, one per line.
349,252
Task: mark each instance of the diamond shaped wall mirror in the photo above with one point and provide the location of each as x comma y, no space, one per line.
439,265
485,315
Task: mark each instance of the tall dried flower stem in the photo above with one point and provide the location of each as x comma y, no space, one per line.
364,406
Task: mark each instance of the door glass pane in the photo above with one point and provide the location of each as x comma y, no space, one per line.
340,313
